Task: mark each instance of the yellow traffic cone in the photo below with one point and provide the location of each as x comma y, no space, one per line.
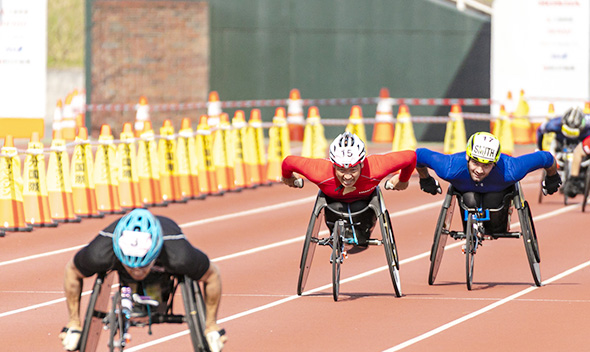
383,129
238,136
204,147
355,123
223,157
35,198
148,168
83,188
278,145
254,153
295,118
455,138
550,136
167,158
12,212
314,139
403,137
188,168
503,131
521,125
129,195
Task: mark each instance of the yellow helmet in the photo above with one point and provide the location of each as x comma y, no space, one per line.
483,147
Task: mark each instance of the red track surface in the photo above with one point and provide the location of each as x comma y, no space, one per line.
256,237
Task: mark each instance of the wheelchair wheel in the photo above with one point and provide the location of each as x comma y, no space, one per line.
566,176
115,324
96,311
309,246
531,245
440,237
194,314
391,252
470,248
586,189
337,244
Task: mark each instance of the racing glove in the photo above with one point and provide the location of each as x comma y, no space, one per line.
551,184
430,185
70,338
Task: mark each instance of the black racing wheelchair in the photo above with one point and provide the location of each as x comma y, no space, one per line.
475,234
114,319
338,240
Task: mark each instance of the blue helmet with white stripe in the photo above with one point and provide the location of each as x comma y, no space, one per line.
138,238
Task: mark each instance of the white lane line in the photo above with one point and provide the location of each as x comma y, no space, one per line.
484,309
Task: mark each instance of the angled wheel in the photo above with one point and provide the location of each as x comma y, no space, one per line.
470,248
96,312
309,246
337,236
194,314
531,245
443,225
115,323
391,252
566,176
586,189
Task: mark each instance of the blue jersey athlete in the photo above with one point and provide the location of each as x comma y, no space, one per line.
483,175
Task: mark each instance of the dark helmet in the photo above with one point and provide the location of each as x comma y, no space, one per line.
572,122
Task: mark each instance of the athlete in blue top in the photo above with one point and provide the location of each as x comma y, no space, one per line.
571,129
483,175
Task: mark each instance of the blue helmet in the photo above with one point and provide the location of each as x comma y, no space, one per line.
138,239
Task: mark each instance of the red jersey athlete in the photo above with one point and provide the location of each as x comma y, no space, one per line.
349,178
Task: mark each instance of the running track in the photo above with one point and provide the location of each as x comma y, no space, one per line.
255,236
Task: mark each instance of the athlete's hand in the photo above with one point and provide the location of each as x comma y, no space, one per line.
430,185
293,181
395,184
551,184
70,337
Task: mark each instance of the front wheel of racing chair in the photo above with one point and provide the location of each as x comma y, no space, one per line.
95,313
337,256
441,233
529,235
471,243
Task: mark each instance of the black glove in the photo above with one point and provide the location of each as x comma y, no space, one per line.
430,185
551,184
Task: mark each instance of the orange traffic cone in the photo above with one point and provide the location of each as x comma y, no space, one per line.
256,164
239,137
204,146
12,212
68,124
521,125
148,168
295,118
105,173
550,136
142,115
278,145
314,138
503,131
587,108
455,139
35,199
188,168
57,118
383,129
129,196
223,157
169,181
59,186
355,123
83,190
213,109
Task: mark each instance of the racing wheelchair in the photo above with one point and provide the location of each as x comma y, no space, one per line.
339,239
564,156
117,321
475,234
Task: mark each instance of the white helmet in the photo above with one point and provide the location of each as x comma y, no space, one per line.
347,150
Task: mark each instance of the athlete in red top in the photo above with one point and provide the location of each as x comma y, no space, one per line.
348,179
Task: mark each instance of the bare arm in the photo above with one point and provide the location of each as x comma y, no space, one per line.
578,156
422,172
73,281
212,284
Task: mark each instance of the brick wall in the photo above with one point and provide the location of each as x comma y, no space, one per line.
156,49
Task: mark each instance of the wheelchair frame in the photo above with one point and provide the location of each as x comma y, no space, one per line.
474,234
335,240
98,318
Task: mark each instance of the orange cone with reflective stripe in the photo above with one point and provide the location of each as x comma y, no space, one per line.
188,168
238,136
12,213
549,136
35,199
105,173
455,139
129,195
383,129
204,145
142,115
83,190
251,152
213,109
503,131
68,124
295,118
314,139
404,137
59,185
57,118
148,168
355,123
169,181
521,125
278,145
223,157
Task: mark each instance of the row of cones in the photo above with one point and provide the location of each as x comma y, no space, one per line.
137,172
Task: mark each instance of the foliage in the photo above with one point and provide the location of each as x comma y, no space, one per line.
65,33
